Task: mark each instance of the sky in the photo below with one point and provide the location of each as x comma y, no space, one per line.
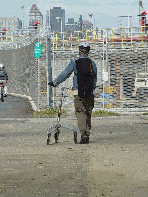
106,12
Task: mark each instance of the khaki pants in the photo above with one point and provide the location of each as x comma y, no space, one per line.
83,109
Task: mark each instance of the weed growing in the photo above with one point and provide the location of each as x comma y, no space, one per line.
48,113
101,113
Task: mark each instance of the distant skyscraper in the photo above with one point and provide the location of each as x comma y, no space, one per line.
54,23
87,25
70,20
47,19
80,23
70,25
35,15
10,23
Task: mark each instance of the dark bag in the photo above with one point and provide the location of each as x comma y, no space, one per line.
2,74
85,77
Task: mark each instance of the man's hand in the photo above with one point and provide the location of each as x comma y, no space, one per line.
51,83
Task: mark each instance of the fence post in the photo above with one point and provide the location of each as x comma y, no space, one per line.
103,69
95,39
117,80
86,35
78,36
39,84
142,36
71,40
131,38
107,66
112,38
122,36
53,67
56,41
63,42
49,69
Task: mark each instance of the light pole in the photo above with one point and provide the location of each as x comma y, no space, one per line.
90,15
22,6
58,19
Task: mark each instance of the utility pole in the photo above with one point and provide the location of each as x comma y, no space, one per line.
103,70
53,67
49,69
140,6
22,7
107,66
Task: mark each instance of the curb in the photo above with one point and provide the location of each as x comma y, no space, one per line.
34,107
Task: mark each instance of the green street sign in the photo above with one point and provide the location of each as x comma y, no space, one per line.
37,49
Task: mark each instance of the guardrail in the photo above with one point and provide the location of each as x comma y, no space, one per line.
114,35
132,34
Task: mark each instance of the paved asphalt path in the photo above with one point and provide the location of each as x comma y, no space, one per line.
113,164
15,107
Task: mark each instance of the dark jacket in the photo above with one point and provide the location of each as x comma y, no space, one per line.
3,75
72,68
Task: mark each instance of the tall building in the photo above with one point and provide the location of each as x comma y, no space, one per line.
47,19
80,23
70,25
10,23
35,15
70,21
56,23
87,25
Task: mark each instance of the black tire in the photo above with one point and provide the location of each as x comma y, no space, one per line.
75,137
56,135
2,96
48,137
48,141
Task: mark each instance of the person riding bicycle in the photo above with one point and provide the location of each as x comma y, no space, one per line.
83,88
3,78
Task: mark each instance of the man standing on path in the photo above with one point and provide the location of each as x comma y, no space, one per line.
84,84
3,78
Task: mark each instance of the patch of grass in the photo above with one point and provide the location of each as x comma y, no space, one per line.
146,113
48,113
137,114
101,113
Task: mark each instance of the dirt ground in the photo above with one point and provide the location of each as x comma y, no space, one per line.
114,163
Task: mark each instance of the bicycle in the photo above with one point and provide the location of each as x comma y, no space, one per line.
57,126
2,91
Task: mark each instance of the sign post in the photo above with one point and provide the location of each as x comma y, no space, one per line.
37,49
37,53
49,69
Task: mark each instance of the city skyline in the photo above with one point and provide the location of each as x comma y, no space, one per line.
107,13
57,19
35,15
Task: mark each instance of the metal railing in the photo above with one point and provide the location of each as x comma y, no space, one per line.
115,35
62,40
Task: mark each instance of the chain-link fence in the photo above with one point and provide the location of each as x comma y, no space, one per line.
23,68
125,86
122,79
59,60
20,38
